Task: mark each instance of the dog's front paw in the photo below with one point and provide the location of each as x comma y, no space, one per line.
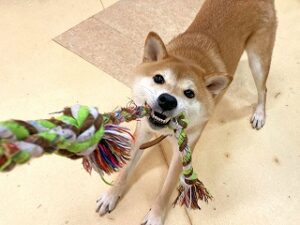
108,201
259,118
153,218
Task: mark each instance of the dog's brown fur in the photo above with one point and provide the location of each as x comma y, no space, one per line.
207,54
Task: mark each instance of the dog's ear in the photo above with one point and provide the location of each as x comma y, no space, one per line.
217,82
154,48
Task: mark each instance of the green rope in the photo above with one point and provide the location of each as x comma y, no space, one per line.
190,189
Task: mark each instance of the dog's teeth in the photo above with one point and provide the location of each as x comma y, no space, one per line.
157,119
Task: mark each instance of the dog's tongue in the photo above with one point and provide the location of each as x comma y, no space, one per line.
153,142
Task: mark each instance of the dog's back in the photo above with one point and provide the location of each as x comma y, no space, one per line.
230,23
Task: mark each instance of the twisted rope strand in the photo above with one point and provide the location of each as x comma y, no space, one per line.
77,133
190,188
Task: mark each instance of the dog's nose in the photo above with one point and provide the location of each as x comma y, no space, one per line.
167,102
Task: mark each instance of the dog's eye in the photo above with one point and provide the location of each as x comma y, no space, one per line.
159,79
189,93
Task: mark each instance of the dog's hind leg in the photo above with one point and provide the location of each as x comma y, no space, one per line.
259,49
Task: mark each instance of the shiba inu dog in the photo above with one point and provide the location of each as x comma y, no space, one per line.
191,74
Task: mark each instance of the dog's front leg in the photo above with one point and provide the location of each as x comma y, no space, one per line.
157,213
158,210
109,199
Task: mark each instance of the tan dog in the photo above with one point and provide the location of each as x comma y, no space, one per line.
191,74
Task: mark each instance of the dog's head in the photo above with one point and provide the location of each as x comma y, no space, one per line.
171,86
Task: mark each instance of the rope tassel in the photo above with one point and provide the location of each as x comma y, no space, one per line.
189,194
113,151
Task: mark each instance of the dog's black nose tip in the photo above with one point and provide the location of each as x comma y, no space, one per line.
167,102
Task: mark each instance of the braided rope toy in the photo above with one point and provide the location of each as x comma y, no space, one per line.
190,188
82,132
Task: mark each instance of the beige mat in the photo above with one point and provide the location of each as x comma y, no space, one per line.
113,39
254,176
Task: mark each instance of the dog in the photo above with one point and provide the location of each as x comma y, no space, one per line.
191,74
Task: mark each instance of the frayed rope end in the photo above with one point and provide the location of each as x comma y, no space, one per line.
113,150
189,195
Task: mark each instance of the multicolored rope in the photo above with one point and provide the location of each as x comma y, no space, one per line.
190,189
82,132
